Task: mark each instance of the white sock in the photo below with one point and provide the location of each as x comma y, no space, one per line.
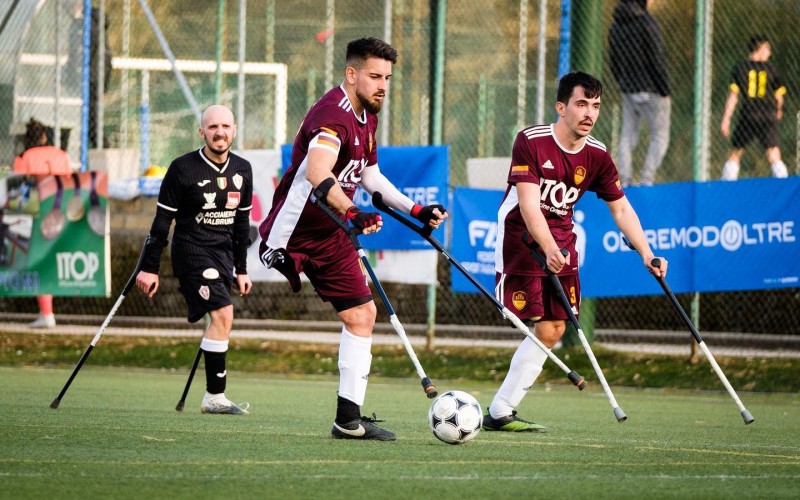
526,365
779,170
730,172
213,345
354,363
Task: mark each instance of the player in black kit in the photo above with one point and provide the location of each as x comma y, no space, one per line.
208,193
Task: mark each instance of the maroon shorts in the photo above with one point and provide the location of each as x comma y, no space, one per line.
535,298
333,267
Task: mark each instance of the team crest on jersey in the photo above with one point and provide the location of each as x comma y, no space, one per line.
519,300
210,200
222,182
233,200
204,292
370,142
237,181
580,175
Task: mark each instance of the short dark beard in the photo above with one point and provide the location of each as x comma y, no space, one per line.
218,152
372,107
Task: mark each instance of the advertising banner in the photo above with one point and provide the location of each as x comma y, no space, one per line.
397,266
55,236
717,236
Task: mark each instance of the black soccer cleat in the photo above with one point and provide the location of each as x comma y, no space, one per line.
364,428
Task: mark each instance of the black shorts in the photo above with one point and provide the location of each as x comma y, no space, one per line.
766,131
204,295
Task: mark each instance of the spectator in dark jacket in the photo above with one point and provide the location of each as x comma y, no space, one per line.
639,64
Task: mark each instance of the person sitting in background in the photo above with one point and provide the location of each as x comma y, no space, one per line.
759,83
40,159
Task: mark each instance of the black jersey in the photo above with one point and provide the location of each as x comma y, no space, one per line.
210,204
757,83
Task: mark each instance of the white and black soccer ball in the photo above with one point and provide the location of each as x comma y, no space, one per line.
455,417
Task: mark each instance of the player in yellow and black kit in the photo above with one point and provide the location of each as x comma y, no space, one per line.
758,83
209,194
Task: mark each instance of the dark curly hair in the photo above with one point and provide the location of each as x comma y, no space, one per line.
591,86
362,49
33,134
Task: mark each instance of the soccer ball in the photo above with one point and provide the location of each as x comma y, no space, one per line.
455,417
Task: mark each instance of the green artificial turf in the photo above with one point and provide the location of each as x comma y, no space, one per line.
117,435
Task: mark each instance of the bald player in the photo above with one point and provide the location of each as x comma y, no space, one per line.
208,193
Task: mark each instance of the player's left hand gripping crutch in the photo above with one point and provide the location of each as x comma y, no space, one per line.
425,232
125,290
528,240
656,262
427,384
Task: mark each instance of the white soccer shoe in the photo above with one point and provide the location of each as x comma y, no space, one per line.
219,404
43,321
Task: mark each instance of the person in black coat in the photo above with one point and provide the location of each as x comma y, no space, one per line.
639,64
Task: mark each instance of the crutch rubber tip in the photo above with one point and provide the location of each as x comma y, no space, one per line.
577,380
429,388
620,415
179,407
56,402
748,419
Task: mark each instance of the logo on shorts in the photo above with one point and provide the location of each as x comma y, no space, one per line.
204,292
519,300
210,274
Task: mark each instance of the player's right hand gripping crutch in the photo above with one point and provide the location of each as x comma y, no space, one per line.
656,262
125,290
425,232
534,249
427,385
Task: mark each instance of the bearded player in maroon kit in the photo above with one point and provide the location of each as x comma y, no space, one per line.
552,166
335,152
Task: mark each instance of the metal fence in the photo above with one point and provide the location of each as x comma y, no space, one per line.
499,69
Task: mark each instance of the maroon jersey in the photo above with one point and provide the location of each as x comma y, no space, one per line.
331,124
563,177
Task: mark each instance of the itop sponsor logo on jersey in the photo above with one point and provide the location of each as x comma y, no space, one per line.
557,197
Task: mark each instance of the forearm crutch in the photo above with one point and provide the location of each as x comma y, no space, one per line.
425,232
533,247
656,262
88,351
427,384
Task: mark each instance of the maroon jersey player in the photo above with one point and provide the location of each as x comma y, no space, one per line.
335,152
552,166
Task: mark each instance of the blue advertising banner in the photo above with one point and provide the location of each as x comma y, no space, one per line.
419,172
717,236
473,219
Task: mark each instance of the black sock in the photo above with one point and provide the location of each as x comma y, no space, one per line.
215,366
346,411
